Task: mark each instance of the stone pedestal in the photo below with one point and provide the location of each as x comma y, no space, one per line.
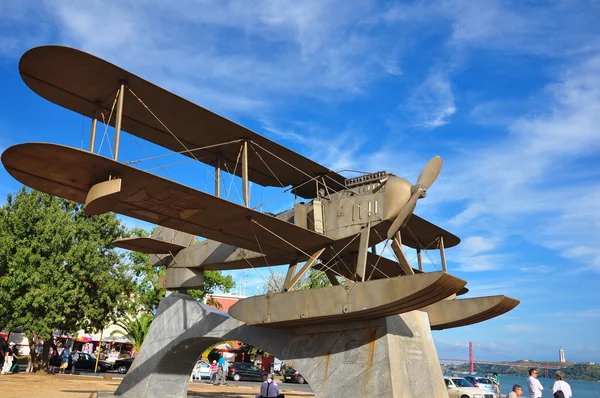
390,357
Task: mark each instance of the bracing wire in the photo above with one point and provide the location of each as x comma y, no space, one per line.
268,266
106,124
190,151
155,161
377,263
82,128
231,185
424,249
266,165
184,152
309,176
186,149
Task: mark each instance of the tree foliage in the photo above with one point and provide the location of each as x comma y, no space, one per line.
135,330
147,290
58,269
311,280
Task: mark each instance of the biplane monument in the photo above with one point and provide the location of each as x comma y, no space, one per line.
368,334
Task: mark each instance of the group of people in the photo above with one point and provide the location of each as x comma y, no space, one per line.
9,354
560,388
218,375
218,371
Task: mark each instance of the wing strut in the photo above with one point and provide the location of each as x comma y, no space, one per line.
442,254
397,247
119,119
332,277
363,247
420,259
93,128
245,173
289,284
218,175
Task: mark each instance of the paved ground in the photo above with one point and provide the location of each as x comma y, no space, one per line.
283,386
27,385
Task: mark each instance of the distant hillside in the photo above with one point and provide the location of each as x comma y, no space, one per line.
573,371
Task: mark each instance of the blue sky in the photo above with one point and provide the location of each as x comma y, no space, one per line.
508,93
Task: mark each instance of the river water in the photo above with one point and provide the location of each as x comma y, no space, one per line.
581,389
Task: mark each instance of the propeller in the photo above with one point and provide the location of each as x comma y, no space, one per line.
428,175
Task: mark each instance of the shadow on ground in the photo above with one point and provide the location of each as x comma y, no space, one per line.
236,394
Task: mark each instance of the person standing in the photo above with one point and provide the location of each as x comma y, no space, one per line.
74,359
64,356
213,371
51,355
496,384
533,384
220,378
517,391
15,356
224,368
8,359
3,349
561,385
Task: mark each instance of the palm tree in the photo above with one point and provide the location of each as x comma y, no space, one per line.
135,330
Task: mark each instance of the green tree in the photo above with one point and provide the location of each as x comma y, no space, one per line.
135,330
147,278
247,351
58,269
311,280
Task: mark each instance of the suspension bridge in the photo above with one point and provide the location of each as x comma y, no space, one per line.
506,362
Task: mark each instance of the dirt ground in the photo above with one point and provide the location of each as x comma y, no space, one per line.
31,385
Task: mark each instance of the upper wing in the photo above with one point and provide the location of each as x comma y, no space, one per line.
419,233
70,173
77,80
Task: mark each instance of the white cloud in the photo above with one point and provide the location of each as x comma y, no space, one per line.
524,286
592,313
550,29
470,213
537,269
478,244
523,328
477,253
495,112
432,102
536,181
345,149
250,50
244,57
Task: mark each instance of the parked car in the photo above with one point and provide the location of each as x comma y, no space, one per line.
291,375
481,382
201,370
85,362
122,365
461,388
276,367
245,371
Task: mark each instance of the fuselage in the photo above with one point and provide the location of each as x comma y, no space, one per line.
372,203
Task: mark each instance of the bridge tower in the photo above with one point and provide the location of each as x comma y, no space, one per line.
471,361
